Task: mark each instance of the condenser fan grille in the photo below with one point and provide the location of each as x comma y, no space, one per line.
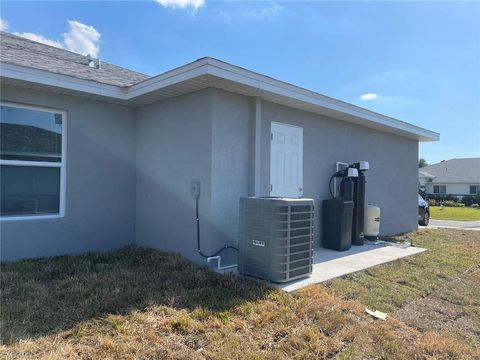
276,238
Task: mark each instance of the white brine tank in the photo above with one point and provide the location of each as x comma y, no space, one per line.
371,224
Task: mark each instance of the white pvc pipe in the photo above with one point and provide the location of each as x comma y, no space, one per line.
219,262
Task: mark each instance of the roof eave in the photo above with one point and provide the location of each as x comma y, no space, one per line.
31,75
228,77
325,105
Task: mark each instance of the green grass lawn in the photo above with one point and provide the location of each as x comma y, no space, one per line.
144,304
454,213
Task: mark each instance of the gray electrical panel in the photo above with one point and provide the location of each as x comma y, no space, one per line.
276,238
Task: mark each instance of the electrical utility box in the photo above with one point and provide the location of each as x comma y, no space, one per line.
276,238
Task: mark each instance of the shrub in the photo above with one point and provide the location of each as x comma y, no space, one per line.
453,204
468,200
474,205
444,200
432,202
452,201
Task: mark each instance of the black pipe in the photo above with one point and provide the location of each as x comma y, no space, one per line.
330,185
359,209
198,235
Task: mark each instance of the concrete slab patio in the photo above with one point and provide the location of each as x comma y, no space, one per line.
329,264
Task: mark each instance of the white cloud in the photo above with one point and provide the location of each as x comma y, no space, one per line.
41,39
389,99
263,12
80,38
369,97
182,4
3,24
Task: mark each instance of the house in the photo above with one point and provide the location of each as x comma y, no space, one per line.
113,153
423,178
455,177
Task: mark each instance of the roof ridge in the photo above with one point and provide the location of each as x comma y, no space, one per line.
452,159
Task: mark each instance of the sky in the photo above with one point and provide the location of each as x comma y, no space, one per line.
415,61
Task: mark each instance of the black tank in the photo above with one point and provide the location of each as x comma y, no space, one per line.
347,189
359,209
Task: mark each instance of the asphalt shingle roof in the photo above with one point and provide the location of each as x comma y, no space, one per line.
425,174
20,51
455,171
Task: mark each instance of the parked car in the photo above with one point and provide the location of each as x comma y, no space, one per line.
423,211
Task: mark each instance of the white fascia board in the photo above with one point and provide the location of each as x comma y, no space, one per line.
265,83
463,182
61,81
172,77
219,69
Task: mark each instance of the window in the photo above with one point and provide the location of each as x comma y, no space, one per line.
439,189
32,162
474,189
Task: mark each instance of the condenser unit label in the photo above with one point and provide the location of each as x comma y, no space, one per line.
258,243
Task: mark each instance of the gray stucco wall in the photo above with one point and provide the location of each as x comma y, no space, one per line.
232,150
129,172
392,182
174,147
100,200
201,136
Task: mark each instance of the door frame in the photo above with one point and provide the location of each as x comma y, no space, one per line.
272,123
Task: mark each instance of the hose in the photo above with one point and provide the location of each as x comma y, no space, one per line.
330,185
198,235
340,173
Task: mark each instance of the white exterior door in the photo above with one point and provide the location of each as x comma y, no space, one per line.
286,161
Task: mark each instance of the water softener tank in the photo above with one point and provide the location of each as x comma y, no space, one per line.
371,225
347,189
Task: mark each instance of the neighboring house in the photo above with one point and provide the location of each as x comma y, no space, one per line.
455,177
423,178
130,146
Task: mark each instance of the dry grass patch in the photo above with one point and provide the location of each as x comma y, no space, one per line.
436,290
144,304
452,254
50,295
455,310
